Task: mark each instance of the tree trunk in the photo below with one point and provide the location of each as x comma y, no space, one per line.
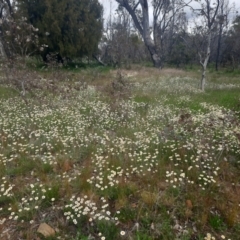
233,62
99,60
203,80
205,62
155,57
219,46
147,36
2,50
157,61
144,28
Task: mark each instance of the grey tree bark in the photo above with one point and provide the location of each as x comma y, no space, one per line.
2,50
164,13
143,27
6,10
204,61
208,12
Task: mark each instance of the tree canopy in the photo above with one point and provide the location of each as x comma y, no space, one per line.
71,28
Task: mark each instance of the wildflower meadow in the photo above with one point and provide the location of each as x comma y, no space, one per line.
147,156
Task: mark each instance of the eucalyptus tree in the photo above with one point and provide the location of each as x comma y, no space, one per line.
6,13
163,13
205,25
121,44
116,38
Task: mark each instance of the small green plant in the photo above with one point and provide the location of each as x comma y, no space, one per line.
107,229
216,222
80,236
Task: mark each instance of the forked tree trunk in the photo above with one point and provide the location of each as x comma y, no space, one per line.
147,35
143,28
208,12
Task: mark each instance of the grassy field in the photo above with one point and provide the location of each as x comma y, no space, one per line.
139,154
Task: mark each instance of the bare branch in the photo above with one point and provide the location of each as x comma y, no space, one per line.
135,7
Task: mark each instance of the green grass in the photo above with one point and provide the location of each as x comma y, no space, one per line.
229,99
6,92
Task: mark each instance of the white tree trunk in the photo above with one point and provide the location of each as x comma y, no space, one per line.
203,80
204,62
